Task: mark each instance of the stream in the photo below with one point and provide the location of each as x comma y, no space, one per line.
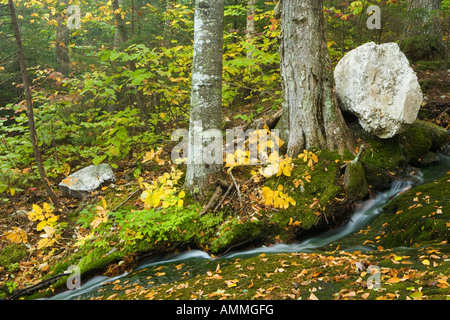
194,262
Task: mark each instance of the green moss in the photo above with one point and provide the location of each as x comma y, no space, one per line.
417,217
323,188
383,153
235,231
438,135
355,181
11,254
431,65
414,142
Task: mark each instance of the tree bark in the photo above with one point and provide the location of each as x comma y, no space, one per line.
311,117
251,30
423,18
206,91
62,41
121,33
29,100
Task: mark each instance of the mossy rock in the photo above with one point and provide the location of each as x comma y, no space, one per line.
355,181
377,178
237,233
414,143
439,136
420,138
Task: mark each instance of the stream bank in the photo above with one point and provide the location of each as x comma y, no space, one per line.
334,265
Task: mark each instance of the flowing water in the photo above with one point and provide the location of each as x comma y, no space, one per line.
196,262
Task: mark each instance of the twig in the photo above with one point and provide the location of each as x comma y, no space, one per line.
354,160
442,114
212,201
237,188
137,192
224,196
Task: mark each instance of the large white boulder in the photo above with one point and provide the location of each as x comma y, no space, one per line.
377,84
84,181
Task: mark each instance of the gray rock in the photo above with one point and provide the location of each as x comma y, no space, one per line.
377,84
84,181
429,159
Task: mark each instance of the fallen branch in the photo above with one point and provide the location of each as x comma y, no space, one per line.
224,196
137,192
354,160
44,283
237,188
212,201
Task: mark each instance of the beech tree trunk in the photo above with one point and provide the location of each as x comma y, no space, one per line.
28,97
62,41
206,91
121,33
311,117
423,18
251,30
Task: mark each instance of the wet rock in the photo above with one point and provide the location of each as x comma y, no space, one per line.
377,178
376,84
429,159
355,181
83,182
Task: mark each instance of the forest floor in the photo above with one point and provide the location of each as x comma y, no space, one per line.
418,274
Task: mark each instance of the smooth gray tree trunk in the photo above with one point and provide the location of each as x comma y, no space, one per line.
311,117
206,91
423,18
62,41
251,29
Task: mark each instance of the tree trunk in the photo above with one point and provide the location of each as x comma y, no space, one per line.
62,41
251,30
26,87
121,34
423,18
311,117
206,91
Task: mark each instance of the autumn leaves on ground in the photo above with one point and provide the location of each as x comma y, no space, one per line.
417,274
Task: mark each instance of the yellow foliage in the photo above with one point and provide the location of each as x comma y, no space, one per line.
163,190
309,156
47,223
16,235
277,199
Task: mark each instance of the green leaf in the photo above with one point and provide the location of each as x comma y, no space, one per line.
98,160
114,55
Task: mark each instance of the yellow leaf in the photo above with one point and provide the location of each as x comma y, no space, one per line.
41,225
393,280
17,235
12,191
104,203
37,209
426,262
